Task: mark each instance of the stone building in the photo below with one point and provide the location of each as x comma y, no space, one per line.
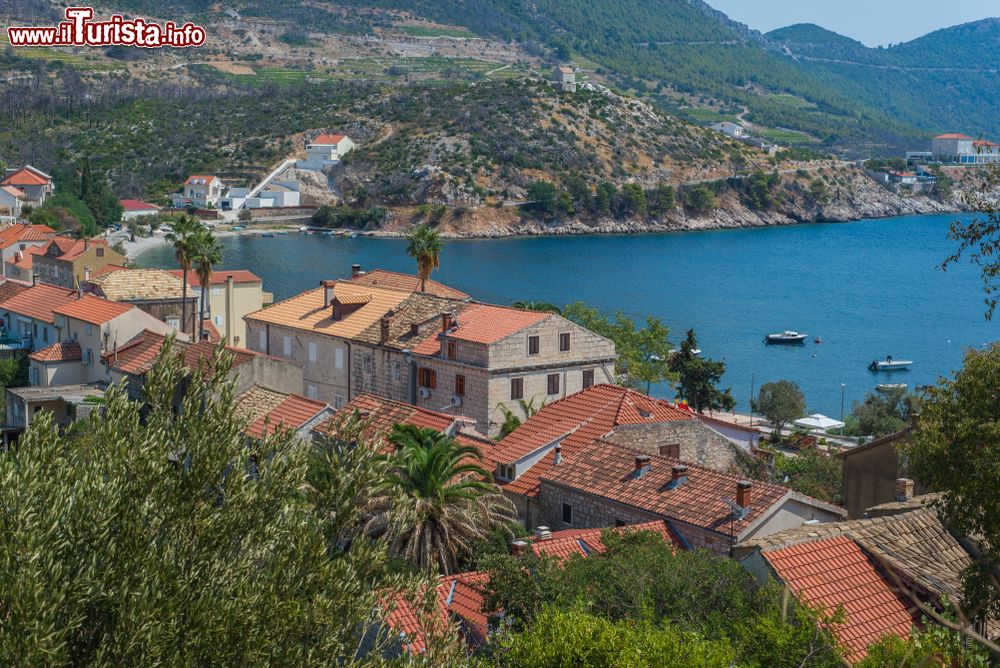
871,471
155,291
232,295
68,262
441,353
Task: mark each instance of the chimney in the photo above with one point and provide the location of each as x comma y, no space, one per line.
557,460
678,476
356,270
904,489
383,333
447,319
519,548
86,273
542,533
743,489
329,292
86,243
643,465
230,310
914,421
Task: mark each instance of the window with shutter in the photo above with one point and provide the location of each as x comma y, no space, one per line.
588,378
516,388
553,383
564,342
460,385
532,345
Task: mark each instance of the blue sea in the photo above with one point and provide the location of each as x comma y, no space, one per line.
867,289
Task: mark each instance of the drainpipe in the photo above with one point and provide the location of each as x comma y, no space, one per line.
408,357
230,297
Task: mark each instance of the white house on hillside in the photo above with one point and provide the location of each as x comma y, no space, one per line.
324,151
734,130
200,191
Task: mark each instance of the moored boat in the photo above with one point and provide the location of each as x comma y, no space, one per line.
891,387
787,336
889,364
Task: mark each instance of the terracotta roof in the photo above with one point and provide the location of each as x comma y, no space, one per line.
107,269
137,355
200,179
218,276
896,507
27,257
67,351
308,312
580,419
328,139
14,192
983,142
39,301
94,310
484,323
256,403
292,413
608,470
953,136
392,280
353,300
915,544
137,284
9,289
460,597
835,572
17,233
213,334
584,542
421,309
26,177
137,205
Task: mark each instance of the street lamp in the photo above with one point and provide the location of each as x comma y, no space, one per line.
843,387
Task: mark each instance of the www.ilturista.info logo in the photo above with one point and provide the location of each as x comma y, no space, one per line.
79,30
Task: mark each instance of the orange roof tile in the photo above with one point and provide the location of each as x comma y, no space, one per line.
17,233
108,269
25,177
67,351
292,413
9,289
39,301
608,470
14,192
393,280
836,572
308,312
74,248
200,179
484,323
94,310
328,139
953,135
27,257
219,276
584,542
580,418
137,205
137,355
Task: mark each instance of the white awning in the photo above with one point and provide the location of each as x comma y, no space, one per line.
817,421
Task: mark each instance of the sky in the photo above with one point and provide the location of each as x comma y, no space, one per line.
872,22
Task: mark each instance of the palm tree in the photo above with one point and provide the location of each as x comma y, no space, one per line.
182,236
206,254
425,248
435,504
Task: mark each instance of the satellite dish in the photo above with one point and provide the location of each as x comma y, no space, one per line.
739,512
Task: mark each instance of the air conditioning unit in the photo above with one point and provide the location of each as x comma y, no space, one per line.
456,400
423,393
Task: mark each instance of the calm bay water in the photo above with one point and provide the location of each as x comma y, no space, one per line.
867,289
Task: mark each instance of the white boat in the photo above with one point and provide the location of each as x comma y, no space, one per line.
891,387
787,336
889,364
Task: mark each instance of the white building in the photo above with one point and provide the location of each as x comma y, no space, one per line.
11,200
734,130
280,194
566,79
324,151
134,208
964,150
200,191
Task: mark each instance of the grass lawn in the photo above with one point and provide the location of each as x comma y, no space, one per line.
783,136
707,115
792,101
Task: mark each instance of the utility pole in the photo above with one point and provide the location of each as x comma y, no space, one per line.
752,379
843,387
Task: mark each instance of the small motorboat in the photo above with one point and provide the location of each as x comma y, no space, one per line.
267,235
889,364
885,388
787,336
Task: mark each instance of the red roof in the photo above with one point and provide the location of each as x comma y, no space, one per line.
983,142
107,269
953,136
18,233
137,355
292,413
579,419
9,289
73,248
27,257
67,351
26,177
14,192
92,309
608,470
39,301
218,277
328,139
394,280
200,179
484,323
460,597
836,572
584,542
137,205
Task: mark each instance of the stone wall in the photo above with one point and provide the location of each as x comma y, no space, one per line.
697,444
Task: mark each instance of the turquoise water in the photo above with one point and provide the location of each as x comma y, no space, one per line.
867,289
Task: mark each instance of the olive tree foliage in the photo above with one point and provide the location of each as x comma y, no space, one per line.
145,536
780,402
979,239
956,452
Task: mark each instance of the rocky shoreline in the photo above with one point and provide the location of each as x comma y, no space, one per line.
858,199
